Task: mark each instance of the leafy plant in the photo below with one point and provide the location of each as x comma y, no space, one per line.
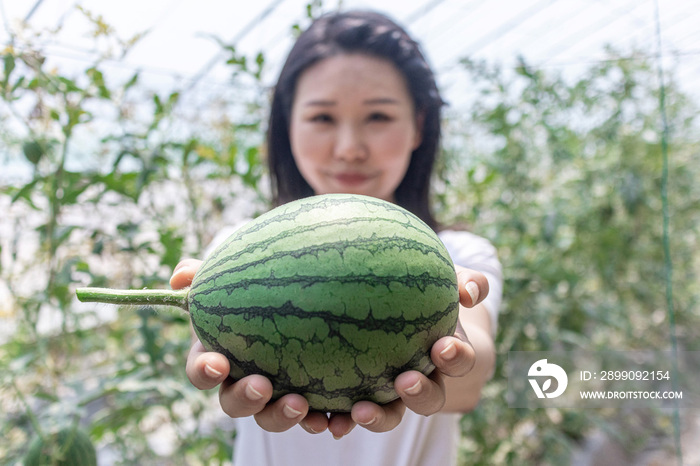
111,192
565,178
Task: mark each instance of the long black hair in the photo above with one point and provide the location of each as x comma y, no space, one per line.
376,35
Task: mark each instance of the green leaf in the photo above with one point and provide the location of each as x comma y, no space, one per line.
97,79
173,99
9,66
172,242
159,109
75,184
67,85
260,62
25,192
126,184
18,84
33,151
131,82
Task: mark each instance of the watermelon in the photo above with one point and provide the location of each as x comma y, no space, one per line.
67,447
330,297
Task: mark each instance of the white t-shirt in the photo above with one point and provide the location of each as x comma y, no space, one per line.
417,441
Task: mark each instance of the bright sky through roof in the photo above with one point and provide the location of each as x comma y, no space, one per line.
179,41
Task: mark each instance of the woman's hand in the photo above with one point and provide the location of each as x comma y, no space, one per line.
453,356
246,397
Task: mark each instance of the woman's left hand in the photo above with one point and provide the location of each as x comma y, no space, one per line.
453,356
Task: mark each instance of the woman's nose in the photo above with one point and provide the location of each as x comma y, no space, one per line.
350,145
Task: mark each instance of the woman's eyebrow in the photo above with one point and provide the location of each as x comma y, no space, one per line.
319,102
373,101
381,100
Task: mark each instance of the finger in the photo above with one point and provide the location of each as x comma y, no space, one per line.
283,414
340,425
421,394
184,273
453,356
245,397
377,418
205,369
473,286
315,422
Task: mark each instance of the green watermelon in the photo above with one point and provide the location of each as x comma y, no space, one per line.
67,447
330,297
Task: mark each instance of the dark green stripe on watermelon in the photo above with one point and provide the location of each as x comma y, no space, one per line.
330,297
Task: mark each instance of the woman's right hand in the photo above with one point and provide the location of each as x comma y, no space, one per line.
249,396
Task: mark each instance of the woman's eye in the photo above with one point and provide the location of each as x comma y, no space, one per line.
322,118
378,116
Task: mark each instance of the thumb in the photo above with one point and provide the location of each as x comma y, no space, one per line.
184,273
473,286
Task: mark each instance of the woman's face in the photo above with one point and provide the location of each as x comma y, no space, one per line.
353,126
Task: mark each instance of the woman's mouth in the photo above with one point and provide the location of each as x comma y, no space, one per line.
350,178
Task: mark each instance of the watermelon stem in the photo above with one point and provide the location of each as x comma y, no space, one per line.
176,298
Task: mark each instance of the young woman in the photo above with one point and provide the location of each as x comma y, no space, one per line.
356,110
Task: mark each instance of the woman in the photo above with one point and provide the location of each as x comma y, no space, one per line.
356,110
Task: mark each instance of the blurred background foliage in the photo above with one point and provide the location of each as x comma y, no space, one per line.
563,175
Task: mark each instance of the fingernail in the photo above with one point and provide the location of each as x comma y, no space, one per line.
415,389
449,352
290,412
473,290
211,372
312,430
179,270
372,421
338,437
252,394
